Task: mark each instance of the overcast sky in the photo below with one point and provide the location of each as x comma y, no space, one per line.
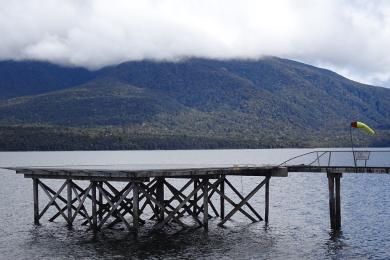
350,37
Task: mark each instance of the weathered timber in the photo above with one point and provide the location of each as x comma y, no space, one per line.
69,201
94,207
36,201
194,198
221,198
243,202
334,199
266,214
122,174
205,203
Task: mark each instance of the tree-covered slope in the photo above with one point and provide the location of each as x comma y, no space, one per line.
20,78
243,103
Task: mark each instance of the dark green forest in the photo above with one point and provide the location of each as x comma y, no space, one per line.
190,104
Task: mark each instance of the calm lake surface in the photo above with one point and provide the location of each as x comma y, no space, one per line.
298,227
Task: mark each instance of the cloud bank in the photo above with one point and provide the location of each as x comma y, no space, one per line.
349,36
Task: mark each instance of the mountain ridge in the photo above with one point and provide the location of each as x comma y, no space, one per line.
269,99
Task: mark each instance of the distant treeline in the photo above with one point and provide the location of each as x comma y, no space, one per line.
48,138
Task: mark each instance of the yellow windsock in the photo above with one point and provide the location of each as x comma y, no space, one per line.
363,126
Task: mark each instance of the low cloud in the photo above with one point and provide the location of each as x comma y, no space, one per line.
351,37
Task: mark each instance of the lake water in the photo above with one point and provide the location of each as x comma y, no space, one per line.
298,227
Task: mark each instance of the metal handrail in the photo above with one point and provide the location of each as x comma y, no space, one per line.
329,153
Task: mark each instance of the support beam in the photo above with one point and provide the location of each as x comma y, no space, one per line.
52,199
241,197
100,202
160,198
195,201
338,200
266,216
135,207
69,201
334,199
36,201
94,209
221,198
205,203
243,202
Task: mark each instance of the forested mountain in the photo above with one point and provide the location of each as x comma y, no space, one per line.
20,78
193,103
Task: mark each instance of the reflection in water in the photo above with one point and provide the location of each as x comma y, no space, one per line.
335,244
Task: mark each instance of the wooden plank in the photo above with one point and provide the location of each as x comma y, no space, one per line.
86,178
112,174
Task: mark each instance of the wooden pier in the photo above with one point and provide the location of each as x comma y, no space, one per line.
89,195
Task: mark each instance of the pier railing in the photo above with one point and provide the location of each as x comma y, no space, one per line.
343,158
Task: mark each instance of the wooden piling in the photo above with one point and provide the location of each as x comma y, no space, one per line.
205,204
334,199
69,201
135,207
195,201
331,199
36,201
94,210
221,197
100,202
266,215
338,201
160,197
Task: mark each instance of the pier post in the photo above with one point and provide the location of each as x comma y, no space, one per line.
135,206
69,201
205,203
267,199
100,201
160,198
334,199
36,201
338,200
195,201
221,197
94,216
